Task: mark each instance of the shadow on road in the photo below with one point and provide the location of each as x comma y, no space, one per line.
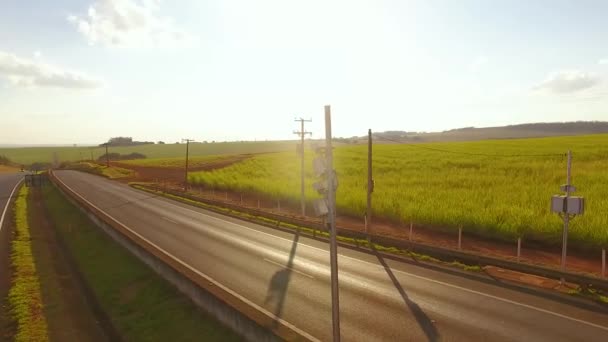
277,290
423,320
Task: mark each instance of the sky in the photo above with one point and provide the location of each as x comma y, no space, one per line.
81,71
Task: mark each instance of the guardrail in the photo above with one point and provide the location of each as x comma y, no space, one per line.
279,328
446,254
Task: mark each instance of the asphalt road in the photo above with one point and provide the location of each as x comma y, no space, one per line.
380,299
7,184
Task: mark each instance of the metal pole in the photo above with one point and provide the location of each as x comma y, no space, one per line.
370,184
333,247
303,204
518,248
566,217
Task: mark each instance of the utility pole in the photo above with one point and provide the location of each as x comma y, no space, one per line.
370,185
91,151
187,141
302,133
333,247
107,156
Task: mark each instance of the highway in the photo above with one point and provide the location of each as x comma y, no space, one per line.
380,299
8,181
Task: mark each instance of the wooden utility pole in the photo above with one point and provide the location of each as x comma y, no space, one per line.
370,185
302,133
107,155
186,172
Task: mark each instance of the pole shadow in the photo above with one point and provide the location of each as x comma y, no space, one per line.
277,289
423,320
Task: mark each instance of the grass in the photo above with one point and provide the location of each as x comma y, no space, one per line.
112,172
179,162
141,305
28,155
25,296
497,197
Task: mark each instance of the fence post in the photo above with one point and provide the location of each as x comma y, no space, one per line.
226,196
411,229
241,199
258,203
603,263
460,238
518,248
279,204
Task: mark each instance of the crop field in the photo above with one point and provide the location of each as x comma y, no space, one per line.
496,190
28,155
178,162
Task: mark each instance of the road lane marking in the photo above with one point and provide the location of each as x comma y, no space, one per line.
168,219
396,270
201,274
409,274
8,201
289,268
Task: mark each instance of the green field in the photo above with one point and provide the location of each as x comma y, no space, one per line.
28,155
497,196
178,162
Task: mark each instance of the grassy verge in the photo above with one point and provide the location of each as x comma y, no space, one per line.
111,172
25,296
141,305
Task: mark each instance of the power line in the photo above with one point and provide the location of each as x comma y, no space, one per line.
470,153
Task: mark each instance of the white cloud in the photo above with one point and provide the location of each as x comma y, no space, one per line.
566,82
603,61
30,73
130,23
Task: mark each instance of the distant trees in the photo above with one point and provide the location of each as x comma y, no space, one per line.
125,141
160,142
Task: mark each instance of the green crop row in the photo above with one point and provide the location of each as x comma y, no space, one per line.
493,188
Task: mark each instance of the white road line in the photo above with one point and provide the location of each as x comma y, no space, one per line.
409,274
208,278
168,219
8,201
289,268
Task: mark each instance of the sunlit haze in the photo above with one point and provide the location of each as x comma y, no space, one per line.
83,71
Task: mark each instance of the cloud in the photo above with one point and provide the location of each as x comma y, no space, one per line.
603,61
30,73
129,23
566,82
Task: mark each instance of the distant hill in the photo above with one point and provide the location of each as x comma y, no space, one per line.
532,130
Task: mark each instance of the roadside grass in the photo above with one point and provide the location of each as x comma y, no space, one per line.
494,190
141,305
112,172
25,296
28,155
